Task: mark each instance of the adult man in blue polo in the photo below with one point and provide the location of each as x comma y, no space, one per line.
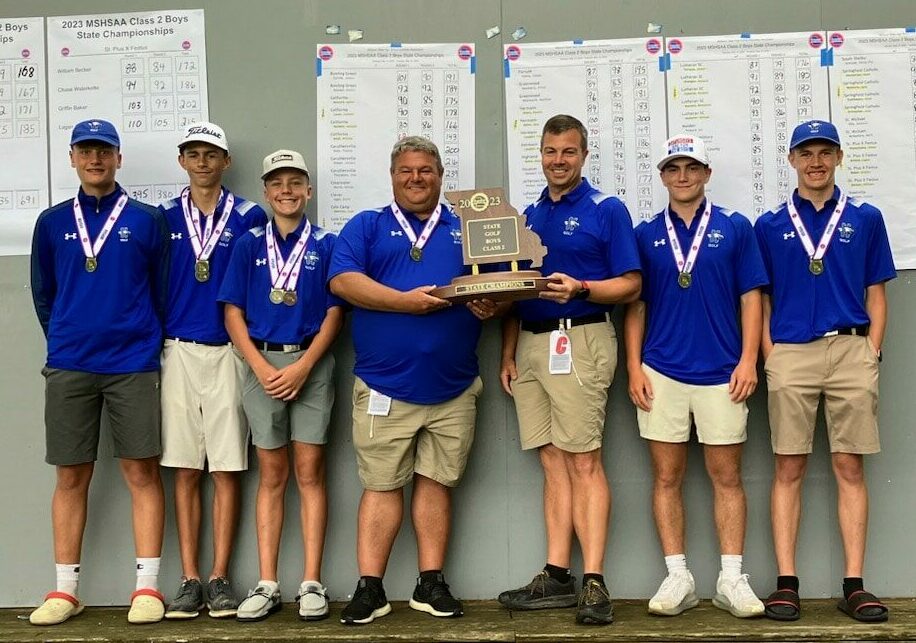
692,343
825,312
99,275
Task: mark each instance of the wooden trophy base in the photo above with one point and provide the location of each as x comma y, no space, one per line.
495,286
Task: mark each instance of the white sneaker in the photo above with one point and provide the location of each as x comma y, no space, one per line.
261,603
676,594
735,596
313,601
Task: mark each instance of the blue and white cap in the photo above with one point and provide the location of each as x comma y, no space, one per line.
814,131
95,130
684,146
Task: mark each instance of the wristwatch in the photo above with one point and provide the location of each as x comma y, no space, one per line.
584,292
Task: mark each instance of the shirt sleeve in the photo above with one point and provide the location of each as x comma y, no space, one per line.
350,249
234,289
256,217
764,254
880,261
160,265
44,283
751,271
329,242
623,255
638,234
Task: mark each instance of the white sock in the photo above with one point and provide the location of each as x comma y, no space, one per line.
68,578
676,563
272,585
731,565
148,573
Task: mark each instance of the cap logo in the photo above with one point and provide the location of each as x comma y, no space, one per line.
813,126
684,144
276,158
201,129
94,126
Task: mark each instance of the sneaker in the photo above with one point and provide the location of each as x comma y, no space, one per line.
313,601
432,596
368,603
188,601
676,594
594,604
736,597
221,600
541,593
261,603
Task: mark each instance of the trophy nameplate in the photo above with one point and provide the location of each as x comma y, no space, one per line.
492,231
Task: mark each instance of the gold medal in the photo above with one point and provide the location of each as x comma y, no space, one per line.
289,298
202,270
276,296
816,266
91,264
416,253
684,279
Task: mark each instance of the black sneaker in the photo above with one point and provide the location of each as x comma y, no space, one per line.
432,596
594,604
188,601
541,593
221,601
368,603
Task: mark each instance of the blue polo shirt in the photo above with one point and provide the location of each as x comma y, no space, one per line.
193,312
108,321
588,235
247,285
693,334
421,359
806,306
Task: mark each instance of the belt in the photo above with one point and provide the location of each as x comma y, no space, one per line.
547,325
270,347
861,331
197,341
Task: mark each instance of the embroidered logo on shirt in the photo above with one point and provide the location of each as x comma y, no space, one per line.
570,225
124,234
397,233
456,236
176,235
68,236
226,237
788,235
846,231
658,242
260,262
713,238
310,260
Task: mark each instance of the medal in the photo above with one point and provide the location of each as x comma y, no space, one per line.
416,253
816,255
685,265
416,243
91,264
284,275
684,279
276,296
289,298
91,249
202,270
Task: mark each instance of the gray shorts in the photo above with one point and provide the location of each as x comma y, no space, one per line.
73,413
273,422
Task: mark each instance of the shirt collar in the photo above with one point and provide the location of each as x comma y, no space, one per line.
830,203
675,217
96,204
573,195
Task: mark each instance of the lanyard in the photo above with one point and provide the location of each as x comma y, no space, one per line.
204,240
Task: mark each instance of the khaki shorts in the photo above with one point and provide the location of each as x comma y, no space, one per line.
433,440
73,414
844,369
202,417
274,422
567,411
718,419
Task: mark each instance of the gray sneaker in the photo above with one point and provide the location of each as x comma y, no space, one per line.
541,593
221,600
261,603
188,601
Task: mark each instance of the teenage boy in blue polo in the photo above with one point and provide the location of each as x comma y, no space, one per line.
825,312
99,275
283,321
417,383
692,343
558,360
203,424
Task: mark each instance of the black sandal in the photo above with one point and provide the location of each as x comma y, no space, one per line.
783,605
863,606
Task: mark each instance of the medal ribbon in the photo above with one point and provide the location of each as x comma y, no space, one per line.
91,250
826,238
427,230
284,275
686,265
204,241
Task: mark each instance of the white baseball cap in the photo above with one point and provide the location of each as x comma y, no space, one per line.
284,159
684,146
204,132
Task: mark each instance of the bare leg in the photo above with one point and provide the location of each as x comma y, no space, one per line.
591,509
557,505
187,516
852,507
669,461
785,509
723,464
68,511
148,504
226,495
274,474
431,511
313,504
380,515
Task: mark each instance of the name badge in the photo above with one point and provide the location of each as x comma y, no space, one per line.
560,353
379,404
